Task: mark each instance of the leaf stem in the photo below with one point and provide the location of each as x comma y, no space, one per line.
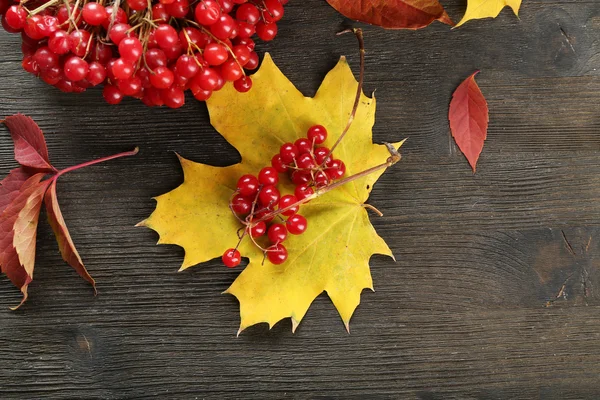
392,159
361,77
93,162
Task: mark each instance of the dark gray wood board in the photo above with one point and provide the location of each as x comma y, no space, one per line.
496,291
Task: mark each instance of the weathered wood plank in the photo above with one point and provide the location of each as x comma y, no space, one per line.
495,292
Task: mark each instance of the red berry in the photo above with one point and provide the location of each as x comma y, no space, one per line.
174,52
50,25
130,49
268,176
178,8
252,63
122,69
162,78
266,31
278,164
187,66
241,205
317,134
336,169
231,258
94,14
96,73
174,97
305,161
59,42
300,177
191,36
30,66
249,43
296,224
131,86
277,254
231,71
155,58
288,152
321,179
223,27
45,58
201,94
166,36
16,17
242,54
207,12
277,233
208,79
303,191
322,154
119,32
247,12
304,145
287,201
137,5
120,18
273,12
269,196
100,52
259,229
34,27
79,42
248,185
76,68
215,54
160,14
243,84
112,95
227,5
245,30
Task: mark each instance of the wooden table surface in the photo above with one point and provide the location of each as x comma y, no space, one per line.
496,291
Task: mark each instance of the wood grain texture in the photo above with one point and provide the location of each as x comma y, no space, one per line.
496,292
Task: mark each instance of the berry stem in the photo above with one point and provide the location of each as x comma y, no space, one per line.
93,162
361,46
392,159
43,7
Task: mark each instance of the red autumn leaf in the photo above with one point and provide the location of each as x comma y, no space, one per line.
30,145
10,186
393,14
18,230
21,197
469,118
65,243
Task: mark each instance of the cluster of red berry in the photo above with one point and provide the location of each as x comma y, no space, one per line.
257,201
153,50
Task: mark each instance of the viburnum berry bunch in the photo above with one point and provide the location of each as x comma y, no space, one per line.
267,216
153,50
259,205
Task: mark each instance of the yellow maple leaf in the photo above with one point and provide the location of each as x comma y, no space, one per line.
333,254
477,9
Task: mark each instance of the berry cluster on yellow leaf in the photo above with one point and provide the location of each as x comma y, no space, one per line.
333,254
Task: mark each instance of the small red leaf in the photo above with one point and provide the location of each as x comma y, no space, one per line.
10,186
393,14
30,145
469,118
65,243
18,231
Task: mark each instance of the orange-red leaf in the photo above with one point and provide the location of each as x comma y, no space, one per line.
18,230
393,14
10,186
30,145
469,118
65,243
